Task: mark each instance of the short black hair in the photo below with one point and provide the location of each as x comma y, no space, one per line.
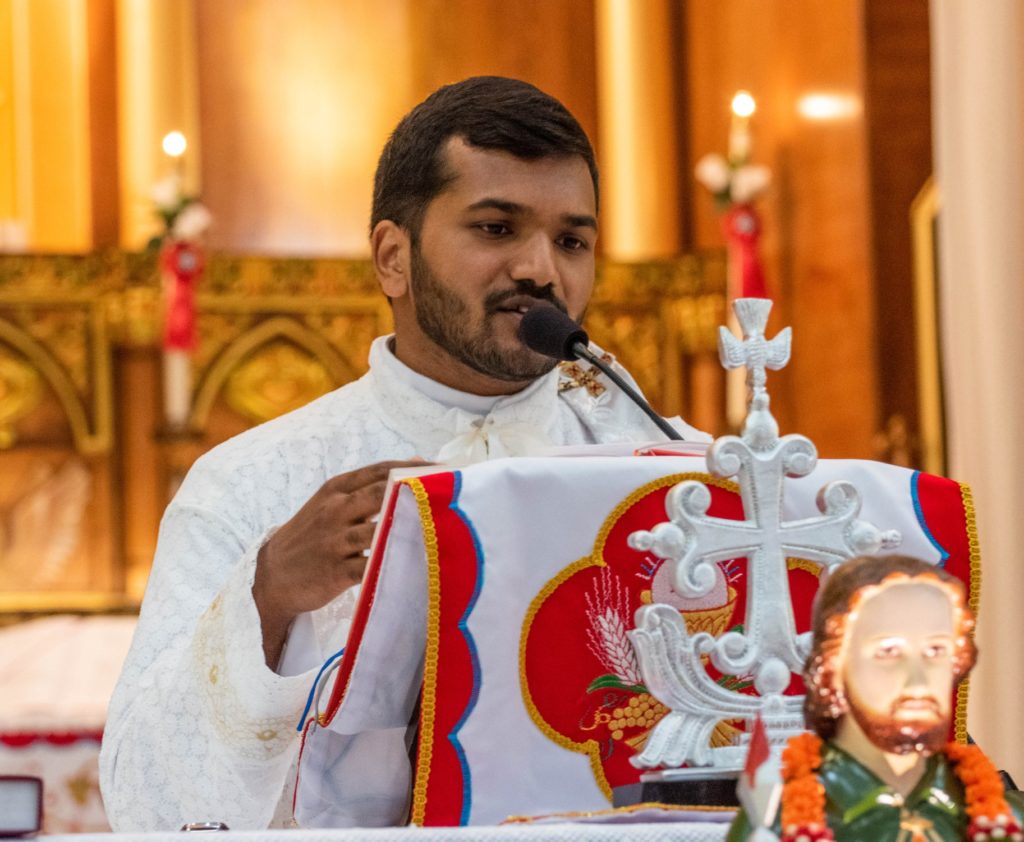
489,112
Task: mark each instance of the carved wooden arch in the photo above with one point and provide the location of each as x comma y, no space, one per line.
279,327
87,441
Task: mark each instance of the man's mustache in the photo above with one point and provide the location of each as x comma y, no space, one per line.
495,300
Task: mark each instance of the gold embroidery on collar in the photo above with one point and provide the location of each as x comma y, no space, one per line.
575,376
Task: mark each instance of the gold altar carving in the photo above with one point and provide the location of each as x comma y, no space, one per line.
276,380
41,521
20,388
84,458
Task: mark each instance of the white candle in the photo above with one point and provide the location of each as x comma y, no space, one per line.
743,106
177,388
177,363
174,145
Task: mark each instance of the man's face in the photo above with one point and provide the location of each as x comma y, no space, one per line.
898,671
504,234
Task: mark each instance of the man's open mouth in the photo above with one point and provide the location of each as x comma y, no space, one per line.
518,305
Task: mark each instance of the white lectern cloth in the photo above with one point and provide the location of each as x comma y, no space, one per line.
531,519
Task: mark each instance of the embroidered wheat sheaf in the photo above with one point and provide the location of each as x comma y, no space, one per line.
607,613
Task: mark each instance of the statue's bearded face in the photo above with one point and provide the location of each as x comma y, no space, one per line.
899,667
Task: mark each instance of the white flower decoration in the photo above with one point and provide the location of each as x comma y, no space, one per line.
193,220
748,182
166,194
713,172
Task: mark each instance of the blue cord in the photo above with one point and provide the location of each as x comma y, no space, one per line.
316,682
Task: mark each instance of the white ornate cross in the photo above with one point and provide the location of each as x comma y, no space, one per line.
768,647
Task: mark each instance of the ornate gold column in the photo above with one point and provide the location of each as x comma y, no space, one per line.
8,158
637,130
157,93
45,187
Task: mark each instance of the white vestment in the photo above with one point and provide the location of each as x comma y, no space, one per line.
199,729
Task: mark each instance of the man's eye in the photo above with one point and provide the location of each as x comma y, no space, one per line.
888,653
494,229
572,243
935,651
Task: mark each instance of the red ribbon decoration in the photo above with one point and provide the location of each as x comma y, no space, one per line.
57,738
742,227
182,264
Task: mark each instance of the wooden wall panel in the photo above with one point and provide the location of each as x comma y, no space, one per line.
296,101
142,479
103,123
817,243
157,92
549,43
898,111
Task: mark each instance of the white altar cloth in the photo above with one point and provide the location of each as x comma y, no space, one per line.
582,832
56,677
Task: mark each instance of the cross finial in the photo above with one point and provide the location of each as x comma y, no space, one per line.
756,353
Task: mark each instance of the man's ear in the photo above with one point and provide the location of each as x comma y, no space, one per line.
391,251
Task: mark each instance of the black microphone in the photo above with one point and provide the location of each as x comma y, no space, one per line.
548,331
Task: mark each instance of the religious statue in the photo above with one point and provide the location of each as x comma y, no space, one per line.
891,640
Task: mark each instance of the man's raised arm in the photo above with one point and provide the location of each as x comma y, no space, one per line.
200,728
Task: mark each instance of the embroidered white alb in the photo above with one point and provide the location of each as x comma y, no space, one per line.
199,729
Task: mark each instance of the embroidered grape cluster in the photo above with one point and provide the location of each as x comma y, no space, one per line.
641,711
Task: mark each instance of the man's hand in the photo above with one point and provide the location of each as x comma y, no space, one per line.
319,552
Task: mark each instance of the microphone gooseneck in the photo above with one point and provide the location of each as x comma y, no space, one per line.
548,331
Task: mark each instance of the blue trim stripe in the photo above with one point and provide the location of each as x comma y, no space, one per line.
312,690
463,626
914,495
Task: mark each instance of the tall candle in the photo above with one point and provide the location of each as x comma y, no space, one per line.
743,106
177,368
177,388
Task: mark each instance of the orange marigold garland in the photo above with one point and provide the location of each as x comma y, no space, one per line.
990,816
803,796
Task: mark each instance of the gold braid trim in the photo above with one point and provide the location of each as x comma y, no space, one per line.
590,747
811,567
428,702
973,600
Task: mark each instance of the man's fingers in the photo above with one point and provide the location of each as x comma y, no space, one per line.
350,570
355,539
368,475
363,502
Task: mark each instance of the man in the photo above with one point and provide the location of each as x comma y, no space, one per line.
892,638
485,202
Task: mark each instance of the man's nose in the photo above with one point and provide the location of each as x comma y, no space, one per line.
536,260
916,675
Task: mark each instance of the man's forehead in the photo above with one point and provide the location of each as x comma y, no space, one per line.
903,603
481,174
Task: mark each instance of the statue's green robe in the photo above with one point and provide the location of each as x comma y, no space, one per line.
861,807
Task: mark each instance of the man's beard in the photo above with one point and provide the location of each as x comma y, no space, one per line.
924,733
444,317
